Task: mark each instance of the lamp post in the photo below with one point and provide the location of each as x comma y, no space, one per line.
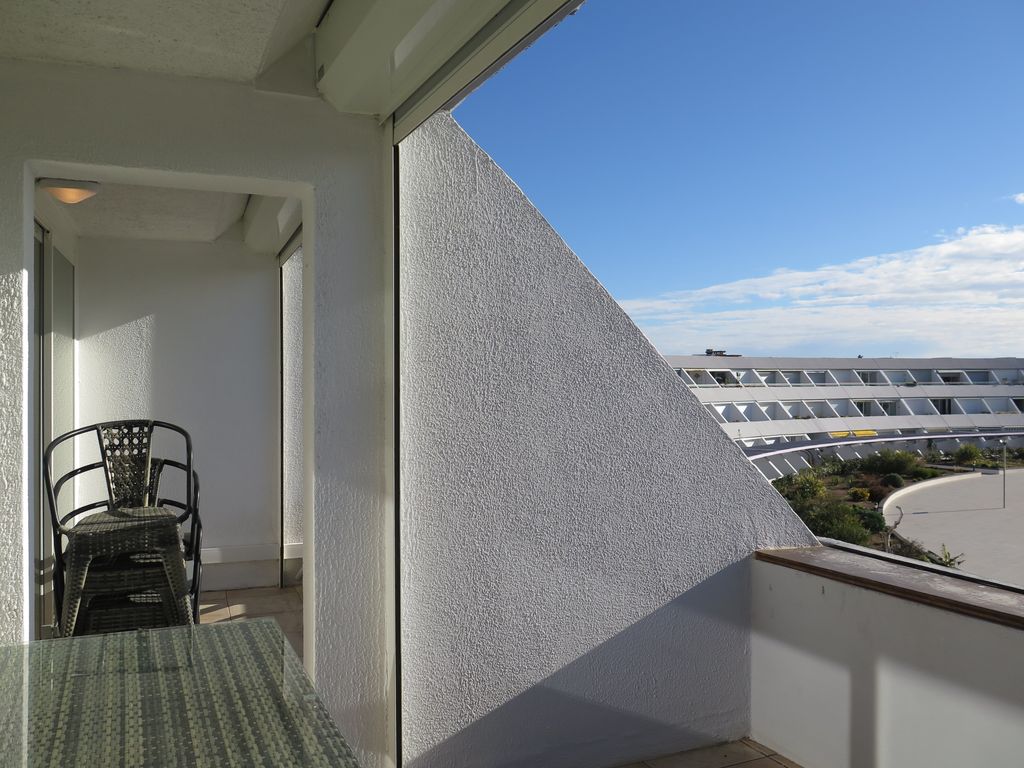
1002,442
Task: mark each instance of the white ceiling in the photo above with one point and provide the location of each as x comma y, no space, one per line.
224,39
368,56
156,213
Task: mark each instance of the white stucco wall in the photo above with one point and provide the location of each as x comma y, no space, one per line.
575,526
291,394
188,333
137,128
845,677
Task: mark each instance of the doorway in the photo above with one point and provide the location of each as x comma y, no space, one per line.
170,309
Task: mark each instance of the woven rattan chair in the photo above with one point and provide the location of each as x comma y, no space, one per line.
192,537
119,562
107,584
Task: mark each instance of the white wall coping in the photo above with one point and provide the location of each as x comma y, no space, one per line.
950,591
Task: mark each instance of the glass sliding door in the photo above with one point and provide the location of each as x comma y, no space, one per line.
55,279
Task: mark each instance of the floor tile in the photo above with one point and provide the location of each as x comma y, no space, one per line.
264,605
721,756
211,614
211,603
237,594
758,746
784,761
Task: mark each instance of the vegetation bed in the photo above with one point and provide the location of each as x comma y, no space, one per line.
842,499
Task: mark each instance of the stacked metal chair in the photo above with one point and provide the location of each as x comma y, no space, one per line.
120,562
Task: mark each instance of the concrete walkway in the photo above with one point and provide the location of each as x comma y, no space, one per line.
966,514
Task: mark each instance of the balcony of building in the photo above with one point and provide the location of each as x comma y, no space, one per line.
866,659
524,541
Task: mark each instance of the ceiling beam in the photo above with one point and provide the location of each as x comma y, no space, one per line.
518,24
409,58
269,222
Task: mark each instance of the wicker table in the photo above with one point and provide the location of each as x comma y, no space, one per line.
218,695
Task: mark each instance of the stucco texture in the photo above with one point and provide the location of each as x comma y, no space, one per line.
291,399
132,128
188,333
12,439
575,527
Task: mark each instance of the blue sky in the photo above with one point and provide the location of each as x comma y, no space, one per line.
730,168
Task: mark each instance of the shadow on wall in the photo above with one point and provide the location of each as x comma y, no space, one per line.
575,525
571,708
900,681
187,332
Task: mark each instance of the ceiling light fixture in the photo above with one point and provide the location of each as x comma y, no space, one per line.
68,190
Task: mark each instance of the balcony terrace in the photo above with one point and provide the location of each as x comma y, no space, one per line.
525,541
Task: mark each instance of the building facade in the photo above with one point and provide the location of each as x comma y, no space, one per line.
845,403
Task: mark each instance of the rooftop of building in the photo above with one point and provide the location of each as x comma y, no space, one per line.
887,363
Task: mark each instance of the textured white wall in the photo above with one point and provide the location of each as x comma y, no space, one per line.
291,393
845,677
575,526
188,333
137,128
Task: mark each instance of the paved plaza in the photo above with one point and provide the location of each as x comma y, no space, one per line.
966,513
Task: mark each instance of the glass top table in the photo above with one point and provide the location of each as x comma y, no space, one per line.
217,695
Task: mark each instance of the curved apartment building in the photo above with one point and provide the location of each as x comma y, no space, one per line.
791,401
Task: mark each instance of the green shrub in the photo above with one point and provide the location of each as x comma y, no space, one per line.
890,462
948,559
877,492
835,467
968,453
873,520
923,473
801,489
893,480
836,520
859,494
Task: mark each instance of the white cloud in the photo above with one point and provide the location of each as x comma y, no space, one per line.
963,296
1018,198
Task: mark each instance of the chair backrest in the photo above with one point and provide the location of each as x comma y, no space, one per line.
156,473
126,451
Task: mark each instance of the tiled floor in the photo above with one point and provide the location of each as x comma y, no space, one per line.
282,605
747,753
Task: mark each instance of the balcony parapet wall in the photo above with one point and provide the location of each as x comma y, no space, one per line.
865,661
